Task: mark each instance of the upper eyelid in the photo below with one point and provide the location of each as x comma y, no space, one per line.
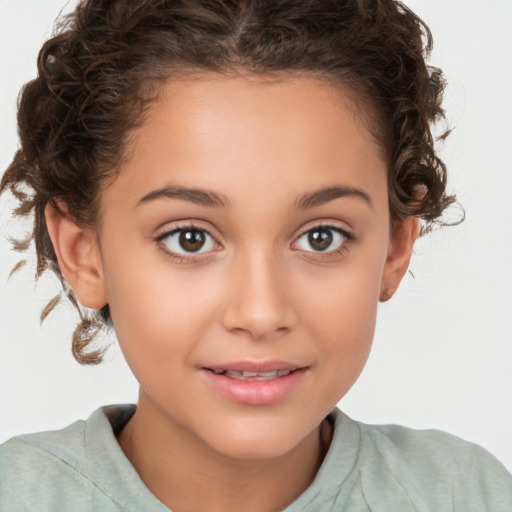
164,230
325,225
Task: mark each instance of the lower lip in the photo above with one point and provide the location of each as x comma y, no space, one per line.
255,392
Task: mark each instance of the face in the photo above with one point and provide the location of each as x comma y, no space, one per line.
244,245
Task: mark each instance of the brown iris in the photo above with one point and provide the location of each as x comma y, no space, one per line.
320,239
192,240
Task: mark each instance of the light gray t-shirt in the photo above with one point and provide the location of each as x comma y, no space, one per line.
367,468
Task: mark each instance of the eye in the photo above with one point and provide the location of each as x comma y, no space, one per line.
322,239
188,241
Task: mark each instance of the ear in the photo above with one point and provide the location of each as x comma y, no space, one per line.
404,234
79,257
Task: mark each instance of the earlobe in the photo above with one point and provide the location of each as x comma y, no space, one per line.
79,257
404,234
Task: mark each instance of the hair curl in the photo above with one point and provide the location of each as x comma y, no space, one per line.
97,73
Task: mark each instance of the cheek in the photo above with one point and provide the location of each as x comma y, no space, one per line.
158,314
160,319
340,313
345,351
346,297
345,317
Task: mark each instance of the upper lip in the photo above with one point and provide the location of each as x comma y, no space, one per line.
256,366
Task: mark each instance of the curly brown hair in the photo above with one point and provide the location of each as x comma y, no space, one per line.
98,74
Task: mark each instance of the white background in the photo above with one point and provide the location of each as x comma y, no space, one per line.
442,356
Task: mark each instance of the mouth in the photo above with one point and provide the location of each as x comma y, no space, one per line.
252,375
255,384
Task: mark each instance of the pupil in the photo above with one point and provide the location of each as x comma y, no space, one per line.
320,239
192,240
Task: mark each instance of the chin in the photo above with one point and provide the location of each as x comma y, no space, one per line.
261,448
256,440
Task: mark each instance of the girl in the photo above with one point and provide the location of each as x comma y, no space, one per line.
233,186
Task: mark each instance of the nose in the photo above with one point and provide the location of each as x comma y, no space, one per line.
259,299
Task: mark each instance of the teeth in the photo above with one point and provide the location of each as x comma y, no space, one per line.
246,375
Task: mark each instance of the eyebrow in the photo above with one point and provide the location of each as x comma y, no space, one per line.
324,195
193,195
214,200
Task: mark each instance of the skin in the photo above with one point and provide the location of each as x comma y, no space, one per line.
260,291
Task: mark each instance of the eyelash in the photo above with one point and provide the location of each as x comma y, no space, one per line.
348,238
192,257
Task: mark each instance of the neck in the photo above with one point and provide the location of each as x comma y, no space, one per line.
187,475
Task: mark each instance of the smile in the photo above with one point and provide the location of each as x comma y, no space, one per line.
256,385
248,375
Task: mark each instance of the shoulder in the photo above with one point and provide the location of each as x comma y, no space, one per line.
436,466
44,471
64,443
430,448
32,454
33,466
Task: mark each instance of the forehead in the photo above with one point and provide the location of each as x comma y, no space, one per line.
251,132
